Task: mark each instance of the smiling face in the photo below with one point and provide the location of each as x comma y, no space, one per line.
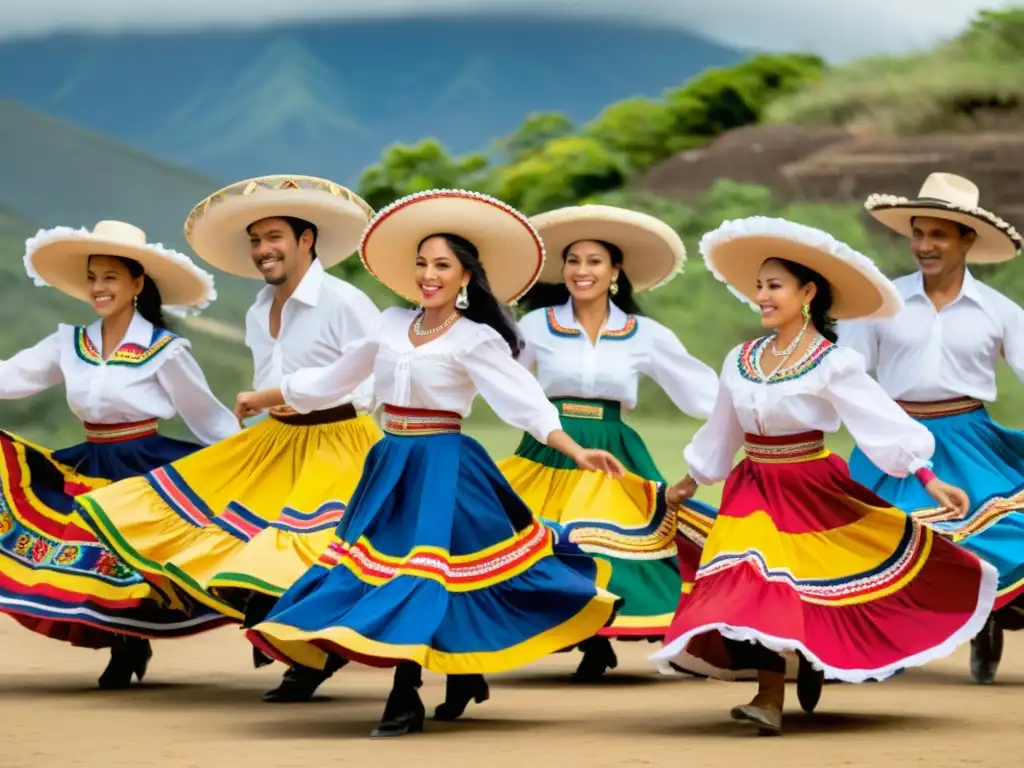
276,252
439,274
112,289
780,296
939,245
588,271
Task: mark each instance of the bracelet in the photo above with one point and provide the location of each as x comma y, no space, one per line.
924,475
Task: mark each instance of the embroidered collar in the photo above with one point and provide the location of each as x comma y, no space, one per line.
562,322
141,343
749,359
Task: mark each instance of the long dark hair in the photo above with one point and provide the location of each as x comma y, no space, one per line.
821,304
149,303
554,294
484,306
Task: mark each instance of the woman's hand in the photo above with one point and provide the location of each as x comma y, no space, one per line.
682,491
251,403
594,460
949,497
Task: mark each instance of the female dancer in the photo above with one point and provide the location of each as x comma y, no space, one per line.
437,563
801,558
123,374
589,345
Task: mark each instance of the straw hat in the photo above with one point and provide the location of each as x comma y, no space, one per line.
216,227
59,258
952,197
510,248
735,251
652,252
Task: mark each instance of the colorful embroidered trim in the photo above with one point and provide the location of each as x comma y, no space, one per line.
627,331
750,354
420,422
118,433
785,449
581,410
941,408
127,354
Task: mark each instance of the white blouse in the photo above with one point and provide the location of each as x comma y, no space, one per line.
829,386
151,375
569,365
444,374
924,354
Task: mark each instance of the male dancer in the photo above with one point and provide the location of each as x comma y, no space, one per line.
938,359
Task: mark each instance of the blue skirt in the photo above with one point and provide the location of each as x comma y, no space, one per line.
438,561
56,578
987,461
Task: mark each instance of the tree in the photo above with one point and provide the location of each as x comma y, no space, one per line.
560,173
641,130
537,130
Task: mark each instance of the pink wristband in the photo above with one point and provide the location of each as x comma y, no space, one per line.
924,475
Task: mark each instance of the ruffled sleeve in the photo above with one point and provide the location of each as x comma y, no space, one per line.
894,442
692,385
511,391
712,450
187,389
32,370
313,389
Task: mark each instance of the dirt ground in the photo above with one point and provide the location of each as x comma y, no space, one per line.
200,707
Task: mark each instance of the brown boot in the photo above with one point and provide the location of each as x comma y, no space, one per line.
765,710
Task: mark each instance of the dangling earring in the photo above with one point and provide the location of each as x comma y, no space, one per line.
614,287
462,300
135,300
806,311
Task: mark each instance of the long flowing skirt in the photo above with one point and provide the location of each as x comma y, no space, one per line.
655,564
437,561
987,461
248,515
55,577
802,558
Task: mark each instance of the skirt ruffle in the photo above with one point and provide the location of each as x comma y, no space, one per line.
654,556
56,578
987,461
802,558
438,562
248,515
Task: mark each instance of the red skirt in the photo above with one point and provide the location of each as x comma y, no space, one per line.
802,558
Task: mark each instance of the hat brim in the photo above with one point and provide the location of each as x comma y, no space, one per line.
62,261
217,228
997,240
652,252
736,250
510,249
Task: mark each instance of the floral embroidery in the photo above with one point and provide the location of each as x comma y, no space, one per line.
127,354
750,355
108,565
627,331
68,555
6,522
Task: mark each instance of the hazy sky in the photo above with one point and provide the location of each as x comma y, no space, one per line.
838,29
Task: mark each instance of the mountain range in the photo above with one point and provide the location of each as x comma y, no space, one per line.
326,99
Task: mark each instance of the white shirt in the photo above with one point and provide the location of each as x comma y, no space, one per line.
569,365
322,316
829,387
924,354
444,374
149,376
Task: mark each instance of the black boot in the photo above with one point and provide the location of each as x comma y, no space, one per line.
300,683
128,656
598,658
257,607
404,712
987,652
809,683
459,690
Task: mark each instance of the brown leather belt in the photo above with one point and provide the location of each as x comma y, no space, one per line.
287,415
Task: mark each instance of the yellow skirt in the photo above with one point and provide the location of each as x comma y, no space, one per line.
248,515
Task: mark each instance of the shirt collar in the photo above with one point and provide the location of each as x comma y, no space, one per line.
139,333
308,290
617,319
969,289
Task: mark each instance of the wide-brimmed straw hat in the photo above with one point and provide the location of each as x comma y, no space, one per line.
510,249
736,250
217,227
652,252
952,197
59,258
